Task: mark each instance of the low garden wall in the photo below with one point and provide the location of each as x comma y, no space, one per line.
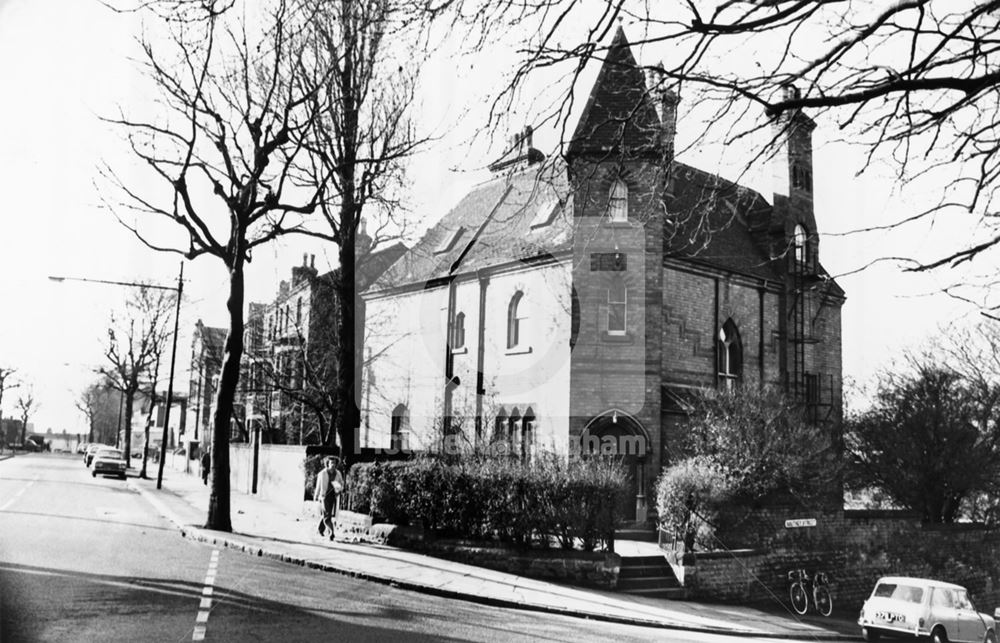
854,547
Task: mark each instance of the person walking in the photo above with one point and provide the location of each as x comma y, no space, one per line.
329,485
206,465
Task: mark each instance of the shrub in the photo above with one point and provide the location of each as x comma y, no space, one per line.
688,497
496,498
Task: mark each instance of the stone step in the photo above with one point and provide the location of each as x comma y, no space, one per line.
641,534
649,582
643,561
672,593
643,571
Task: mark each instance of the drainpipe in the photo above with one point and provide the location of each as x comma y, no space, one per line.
484,282
449,364
760,323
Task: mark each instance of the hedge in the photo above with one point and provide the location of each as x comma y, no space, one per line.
572,504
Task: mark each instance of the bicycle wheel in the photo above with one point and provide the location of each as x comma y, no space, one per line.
800,600
822,600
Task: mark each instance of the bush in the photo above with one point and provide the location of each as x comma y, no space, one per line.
688,497
495,498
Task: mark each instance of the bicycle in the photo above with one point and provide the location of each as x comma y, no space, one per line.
798,592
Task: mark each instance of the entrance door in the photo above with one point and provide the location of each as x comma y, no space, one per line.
619,436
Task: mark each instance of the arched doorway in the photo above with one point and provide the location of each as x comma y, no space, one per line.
617,433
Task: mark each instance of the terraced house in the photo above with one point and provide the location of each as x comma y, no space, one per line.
571,303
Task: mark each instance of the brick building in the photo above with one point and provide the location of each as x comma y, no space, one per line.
574,302
290,358
207,346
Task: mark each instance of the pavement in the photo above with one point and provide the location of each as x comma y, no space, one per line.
261,528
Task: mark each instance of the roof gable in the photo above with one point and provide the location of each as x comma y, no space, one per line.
619,113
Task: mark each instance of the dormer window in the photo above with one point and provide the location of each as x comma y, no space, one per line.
546,212
618,202
450,241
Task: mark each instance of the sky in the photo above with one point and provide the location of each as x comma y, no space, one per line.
66,63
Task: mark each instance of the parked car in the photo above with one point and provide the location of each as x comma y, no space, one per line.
88,457
82,447
901,606
37,444
108,462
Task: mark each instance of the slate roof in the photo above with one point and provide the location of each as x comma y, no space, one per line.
496,221
710,220
709,223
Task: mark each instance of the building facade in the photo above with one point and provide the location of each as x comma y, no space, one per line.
573,304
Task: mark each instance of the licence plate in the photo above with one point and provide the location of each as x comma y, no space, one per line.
890,617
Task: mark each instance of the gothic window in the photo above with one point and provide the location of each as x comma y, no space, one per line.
528,435
514,319
730,351
617,306
800,243
458,332
618,201
399,428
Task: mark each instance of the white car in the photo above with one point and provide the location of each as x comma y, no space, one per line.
910,607
108,462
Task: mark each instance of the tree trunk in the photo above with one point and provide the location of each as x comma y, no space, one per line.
218,504
347,407
129,400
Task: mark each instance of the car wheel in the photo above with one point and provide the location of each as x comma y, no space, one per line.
869,634
991,637
123,476
93,474
939,635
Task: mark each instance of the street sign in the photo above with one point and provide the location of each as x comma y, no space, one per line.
800,522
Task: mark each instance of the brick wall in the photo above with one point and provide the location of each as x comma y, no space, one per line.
855,549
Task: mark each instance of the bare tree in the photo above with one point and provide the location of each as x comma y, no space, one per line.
26,405
235,108
357,148
5,374
99,403
913,82
134,345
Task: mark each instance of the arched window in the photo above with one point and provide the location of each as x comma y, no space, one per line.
500,427
514,319
618,201
617,306
514,434
458,332
528,435
730,355
800,244
399,429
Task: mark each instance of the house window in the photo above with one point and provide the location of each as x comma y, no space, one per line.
730,351
458,332
618,201
617,306
528,435
298,312
514,319
399,429
800,243
514,434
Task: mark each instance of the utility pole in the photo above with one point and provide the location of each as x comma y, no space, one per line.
170,386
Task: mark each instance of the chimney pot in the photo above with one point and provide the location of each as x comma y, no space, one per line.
312,261
790,92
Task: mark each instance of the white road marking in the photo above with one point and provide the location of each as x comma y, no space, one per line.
18,494
205,606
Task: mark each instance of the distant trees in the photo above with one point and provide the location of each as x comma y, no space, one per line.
134,344
6,383
101,403
26,406
931,438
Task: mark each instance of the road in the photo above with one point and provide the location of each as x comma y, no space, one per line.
88,559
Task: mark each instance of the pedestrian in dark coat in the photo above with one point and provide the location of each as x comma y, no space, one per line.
206,465
329,485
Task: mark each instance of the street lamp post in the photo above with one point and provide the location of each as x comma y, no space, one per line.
179,289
